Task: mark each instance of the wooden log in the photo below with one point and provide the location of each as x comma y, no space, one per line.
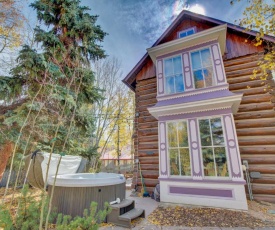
256,140
255,115
256,131
148,132
148,138
141,98
150,174
153,124
146,87
246,65
245,78
259,159
153,145
146,81
148,152
144,119
268,189
265,122
143,108
145,92
265,179
149,167
264,197
252,91
264,168
256,107
239,73
257,149
242,60
148,159
147,102
250,84
256,99
148,182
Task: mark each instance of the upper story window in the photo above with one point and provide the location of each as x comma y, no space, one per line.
178,148
213,147
173,75
202,67
187,32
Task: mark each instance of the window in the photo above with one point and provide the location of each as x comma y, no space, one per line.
202,67
213,148
187,32
173,75
178,148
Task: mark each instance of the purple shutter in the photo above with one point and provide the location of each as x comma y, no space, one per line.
162,150
218,64
160,78
234,162
188,83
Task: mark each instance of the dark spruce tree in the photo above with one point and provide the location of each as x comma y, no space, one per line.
50,91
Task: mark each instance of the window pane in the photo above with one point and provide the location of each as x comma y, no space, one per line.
198,76
196,61
169,84
189,32
172,135
221,161
177,65
174,162
206,57
217,132
208,76
182,34
179,83
183,135
185,162
205,133
208,162
168,67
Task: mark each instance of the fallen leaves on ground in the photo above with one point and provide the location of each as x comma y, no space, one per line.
204,217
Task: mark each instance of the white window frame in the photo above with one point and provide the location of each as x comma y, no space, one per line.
192,69
225,146
194,29
189,148
182,72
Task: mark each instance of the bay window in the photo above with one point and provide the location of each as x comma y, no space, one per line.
213,147
178,148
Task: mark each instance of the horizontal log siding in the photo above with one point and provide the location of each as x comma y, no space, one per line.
255,122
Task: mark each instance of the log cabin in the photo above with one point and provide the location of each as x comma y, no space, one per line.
200,113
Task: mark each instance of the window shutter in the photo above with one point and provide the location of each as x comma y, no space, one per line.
187,72
232,148
160,78
162,149
195,149
218,64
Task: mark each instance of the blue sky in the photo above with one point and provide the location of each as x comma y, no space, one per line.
134,25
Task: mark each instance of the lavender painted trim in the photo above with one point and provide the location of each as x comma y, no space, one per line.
194,92
226,193
203,181
193,98
214,62
189,48
195,114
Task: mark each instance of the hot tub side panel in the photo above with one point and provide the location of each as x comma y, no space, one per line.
73,200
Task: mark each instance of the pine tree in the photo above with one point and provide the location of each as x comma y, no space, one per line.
50,92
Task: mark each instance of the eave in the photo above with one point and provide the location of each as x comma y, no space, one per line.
217,33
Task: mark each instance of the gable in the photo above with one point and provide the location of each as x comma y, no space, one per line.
238,43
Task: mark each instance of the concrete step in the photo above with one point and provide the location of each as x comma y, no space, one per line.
132,214
122,204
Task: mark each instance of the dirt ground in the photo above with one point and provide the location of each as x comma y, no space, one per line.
258,215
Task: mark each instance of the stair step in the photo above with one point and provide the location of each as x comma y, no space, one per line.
132,214
122,204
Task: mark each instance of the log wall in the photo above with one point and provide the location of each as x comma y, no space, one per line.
255,126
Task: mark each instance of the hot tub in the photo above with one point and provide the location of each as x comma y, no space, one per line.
75,192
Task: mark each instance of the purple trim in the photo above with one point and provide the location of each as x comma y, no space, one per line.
195,114
226,193
195,98
232,147
203,181
160,77
214,63
163,148
198,91
220,63
188,49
